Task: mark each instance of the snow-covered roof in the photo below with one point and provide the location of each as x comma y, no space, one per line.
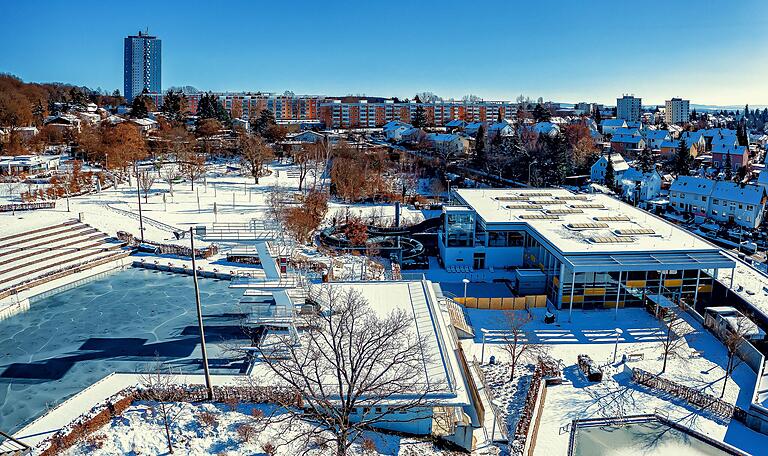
546,128
635,175
729,149
581,219
695,185
442,137
656,135
456,123
613,123
498,126
619,164
627,139
731,191
692,137
672,144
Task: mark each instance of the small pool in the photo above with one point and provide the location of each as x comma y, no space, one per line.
123,322
642,439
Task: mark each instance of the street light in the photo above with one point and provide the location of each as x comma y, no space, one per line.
466,282
616,346
482,350
529,170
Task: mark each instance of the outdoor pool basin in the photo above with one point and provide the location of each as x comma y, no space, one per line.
644,435
126,321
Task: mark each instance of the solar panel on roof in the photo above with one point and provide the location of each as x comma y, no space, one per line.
589,206
538,217
524,206
612,218
631,231
586,226
564,211
537,194
611,239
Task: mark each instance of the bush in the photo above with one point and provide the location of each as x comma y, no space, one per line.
231,402
269,449
369,446
246,432
257,413
208,419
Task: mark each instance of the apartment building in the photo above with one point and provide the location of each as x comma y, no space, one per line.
628,108
285,107
719,200
375,112
677,111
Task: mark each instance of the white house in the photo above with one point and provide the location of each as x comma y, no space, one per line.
654,138
609,126
448,144
546,128
723,201
639,186
502,129
395,133
597,172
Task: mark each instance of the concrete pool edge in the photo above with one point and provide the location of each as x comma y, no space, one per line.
17,303
648,418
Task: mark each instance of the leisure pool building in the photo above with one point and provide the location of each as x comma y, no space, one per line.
592,251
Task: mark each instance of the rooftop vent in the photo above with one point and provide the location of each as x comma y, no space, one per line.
524,206
549,202
588,206
572,198
563,211
586,226
539,217
537,194
612,218
633,231
611,239
512,198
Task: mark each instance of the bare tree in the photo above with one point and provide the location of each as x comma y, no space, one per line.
192,165
254,153
675,343
158,383
733,339
516,344
353,368
146,181
169,173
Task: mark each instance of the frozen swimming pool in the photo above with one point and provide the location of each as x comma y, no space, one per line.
122,322
643,439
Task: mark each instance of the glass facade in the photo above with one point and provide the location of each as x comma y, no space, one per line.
604,289
459,229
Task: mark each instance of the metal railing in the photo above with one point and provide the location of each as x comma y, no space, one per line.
12,447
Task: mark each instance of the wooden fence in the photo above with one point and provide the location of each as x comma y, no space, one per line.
508,303
690,395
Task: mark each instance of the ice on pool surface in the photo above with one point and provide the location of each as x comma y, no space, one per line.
123,322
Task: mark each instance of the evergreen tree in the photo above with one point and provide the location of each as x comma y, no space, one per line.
554,161
419,118
541,114
728,167
646,160
741,133
683,159
610,174
139,108
172,105
206,107
598,118
265,120
480,155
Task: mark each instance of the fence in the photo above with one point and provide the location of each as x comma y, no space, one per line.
508,303
530,409
690,395
27,206
101,414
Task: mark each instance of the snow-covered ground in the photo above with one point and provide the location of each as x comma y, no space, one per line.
593,333
140,430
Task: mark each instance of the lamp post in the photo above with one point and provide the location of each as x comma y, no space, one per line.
200,318
529,170
482,349
616,345
138,195
466,282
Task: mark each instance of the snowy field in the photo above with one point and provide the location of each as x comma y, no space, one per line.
593,333
231,431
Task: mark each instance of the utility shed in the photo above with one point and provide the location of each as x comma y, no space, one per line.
530,282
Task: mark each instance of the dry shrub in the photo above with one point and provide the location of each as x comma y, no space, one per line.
95,442
209,419
269,449
369,446
246,432
231,402
257,413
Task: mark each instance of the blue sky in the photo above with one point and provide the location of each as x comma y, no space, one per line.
708,51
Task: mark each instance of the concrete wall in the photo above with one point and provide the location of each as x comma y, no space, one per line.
417,421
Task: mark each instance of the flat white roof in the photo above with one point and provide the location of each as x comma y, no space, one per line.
578,223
